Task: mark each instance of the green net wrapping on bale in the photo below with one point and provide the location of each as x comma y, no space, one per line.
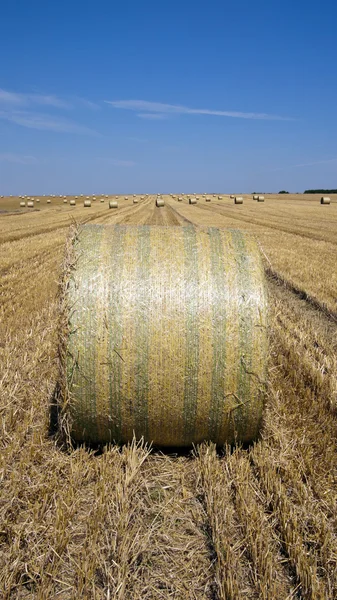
164,335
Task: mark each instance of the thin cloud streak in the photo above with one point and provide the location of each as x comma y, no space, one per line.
14,99
309,164
116,162
21,159
26,100
145,107
45,122
152,116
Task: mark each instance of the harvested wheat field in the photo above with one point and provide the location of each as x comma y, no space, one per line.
236,522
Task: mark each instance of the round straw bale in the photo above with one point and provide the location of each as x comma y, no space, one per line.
48,201
238,200
180,199
22,204
87,203
102,200
30,204
325,200
126,198
135,200
192,200
255,196
37,200
113,204
160,202
174,351
232,196
260,198
219,197
207,199
72,202
65,201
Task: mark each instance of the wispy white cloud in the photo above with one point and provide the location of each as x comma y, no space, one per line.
34,120
14,99
22,159
10,99
142,107
116,162
152,116
308,164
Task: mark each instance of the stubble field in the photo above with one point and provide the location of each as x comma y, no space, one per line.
126,523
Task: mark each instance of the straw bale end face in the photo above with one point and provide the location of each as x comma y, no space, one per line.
164,335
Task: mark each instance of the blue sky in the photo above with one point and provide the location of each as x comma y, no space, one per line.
125,97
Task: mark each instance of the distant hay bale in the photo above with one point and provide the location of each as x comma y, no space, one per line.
48,201
255,196
65,201
325,200
22,204
207,199
94,197
174,351
76,197
37,200
113,204
232,196
160,202
87,197
72,202
238,200
219,197
135,200
180,199
102,200
126,198
192,200
87,203
260,198
30,204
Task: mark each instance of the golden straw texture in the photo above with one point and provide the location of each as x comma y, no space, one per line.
167,335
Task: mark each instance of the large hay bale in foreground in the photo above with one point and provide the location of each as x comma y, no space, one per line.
160,202
325,200
164,335
238,200
192,200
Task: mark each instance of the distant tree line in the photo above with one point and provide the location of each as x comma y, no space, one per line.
283,192
320,192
